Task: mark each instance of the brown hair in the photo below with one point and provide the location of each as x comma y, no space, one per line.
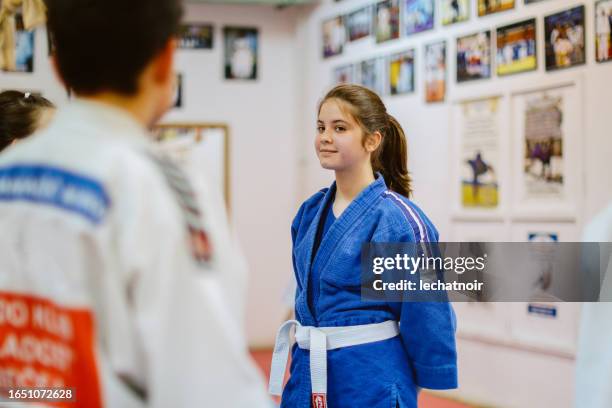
391,156
19,115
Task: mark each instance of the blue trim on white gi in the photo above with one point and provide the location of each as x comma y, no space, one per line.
56,187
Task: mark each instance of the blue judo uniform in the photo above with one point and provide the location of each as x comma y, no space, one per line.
385,373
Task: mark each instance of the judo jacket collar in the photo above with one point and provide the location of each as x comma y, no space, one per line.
350,217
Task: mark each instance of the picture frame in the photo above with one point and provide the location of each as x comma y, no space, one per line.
486,7
516,48
334,36
417,16
196,36
241,49
387,20
564,35
454,11
473,56
359,24
546,124
603,30
435,55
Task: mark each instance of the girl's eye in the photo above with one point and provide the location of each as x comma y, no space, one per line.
340,129
320,129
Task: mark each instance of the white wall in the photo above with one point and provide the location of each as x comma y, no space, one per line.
262,117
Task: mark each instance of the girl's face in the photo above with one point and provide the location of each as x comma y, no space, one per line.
339,138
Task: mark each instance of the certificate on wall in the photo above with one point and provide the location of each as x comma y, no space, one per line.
547,161
479,153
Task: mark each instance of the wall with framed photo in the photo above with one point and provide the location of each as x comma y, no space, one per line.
202,150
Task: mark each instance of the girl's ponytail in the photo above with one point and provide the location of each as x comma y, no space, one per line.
391,158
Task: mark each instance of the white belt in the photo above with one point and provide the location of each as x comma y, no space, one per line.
318,340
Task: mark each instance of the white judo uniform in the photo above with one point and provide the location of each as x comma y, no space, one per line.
594,358
112,282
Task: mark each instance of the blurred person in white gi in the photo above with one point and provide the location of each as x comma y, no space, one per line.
594,357
112,274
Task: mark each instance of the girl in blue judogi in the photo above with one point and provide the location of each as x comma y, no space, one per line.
351,353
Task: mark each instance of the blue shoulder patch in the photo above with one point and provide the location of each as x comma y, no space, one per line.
55,187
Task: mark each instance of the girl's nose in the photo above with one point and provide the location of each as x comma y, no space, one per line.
326,137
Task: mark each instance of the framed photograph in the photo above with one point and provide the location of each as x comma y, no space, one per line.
202,152
546,127
371,74
359,23
435,72
24,47
516,48
474,56
418,15
401,73
387,20
343,74
177,101
454,11
334,36
486,7
196,36
241,49
480,153
564,34
603,28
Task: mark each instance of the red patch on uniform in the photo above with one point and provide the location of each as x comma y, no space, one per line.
200,245
319,401
43,344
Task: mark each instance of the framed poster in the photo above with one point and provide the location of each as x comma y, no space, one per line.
516,48
24,47
334,36
564,35
241,48
177,99
343,74
454,11
196,36
202,151
387,20
603,29
359,23
474,56
401,73
417,16
371,74
547,159
435,72
480,153
493,6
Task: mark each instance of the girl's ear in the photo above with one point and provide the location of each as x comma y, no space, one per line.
373,141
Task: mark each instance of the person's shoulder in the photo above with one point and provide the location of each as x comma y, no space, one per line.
309,207
406,215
